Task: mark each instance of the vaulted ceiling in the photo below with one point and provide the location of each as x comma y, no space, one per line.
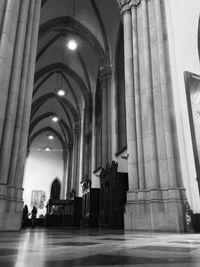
94,24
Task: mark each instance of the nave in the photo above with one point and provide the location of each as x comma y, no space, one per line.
100,114
83,247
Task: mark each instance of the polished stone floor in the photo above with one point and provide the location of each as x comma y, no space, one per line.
41,247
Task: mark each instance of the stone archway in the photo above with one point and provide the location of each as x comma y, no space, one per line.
55,190
199,37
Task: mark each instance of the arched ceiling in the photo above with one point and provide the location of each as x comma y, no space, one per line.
94,24
199,37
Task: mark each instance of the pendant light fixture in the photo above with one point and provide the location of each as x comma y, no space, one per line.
50,136
47,148
60,89
54,117
72,43
61,92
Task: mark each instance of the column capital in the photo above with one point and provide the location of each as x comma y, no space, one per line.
104,73
77,131
70,146
77,128
126,5
88,113
65,155
27,152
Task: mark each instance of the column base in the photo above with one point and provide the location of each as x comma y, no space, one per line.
156,210
11,209
2,203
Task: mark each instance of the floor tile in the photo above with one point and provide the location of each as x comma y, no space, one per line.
68,247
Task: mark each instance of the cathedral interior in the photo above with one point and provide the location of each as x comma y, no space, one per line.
100,132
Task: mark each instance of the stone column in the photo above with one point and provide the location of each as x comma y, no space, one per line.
2,12
97,128
151,132
63,192
9,23
130,99
28,97
136,77
17,54
11,109
76,160
157,203
69,172
164,84
9,13
104,80
22,93
87,135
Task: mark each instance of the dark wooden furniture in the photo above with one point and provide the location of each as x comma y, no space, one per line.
112,196
90,204
64,212
55,190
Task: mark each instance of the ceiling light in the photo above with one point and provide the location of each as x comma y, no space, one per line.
61,92
55,118
47,148
72,45
50,136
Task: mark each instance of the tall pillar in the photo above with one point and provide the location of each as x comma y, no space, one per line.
22,93
9,23
69,172
11,109
20,23
2,13
63,192
87,135
154,200
98,127
130,101
151,137
28,97
104,83
165,98
136,77
9,19
76,159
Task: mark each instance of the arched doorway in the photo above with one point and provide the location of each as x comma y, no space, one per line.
55,190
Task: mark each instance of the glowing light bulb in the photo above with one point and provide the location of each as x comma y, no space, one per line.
72,45
61,92
55,118
50,136
47,148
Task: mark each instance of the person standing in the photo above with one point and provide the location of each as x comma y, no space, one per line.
33,216
25,216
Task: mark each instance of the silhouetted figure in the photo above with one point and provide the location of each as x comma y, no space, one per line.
25,216
33,216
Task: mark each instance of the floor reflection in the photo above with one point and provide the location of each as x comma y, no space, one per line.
82,247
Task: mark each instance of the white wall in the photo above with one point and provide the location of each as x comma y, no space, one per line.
182,22
41,169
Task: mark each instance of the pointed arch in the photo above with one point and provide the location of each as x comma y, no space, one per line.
47,129
48,76
41,100
67,24
61,123
199,37
55,189
77,79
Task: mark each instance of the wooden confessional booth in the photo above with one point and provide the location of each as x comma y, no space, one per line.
90,204
113,187
61,212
